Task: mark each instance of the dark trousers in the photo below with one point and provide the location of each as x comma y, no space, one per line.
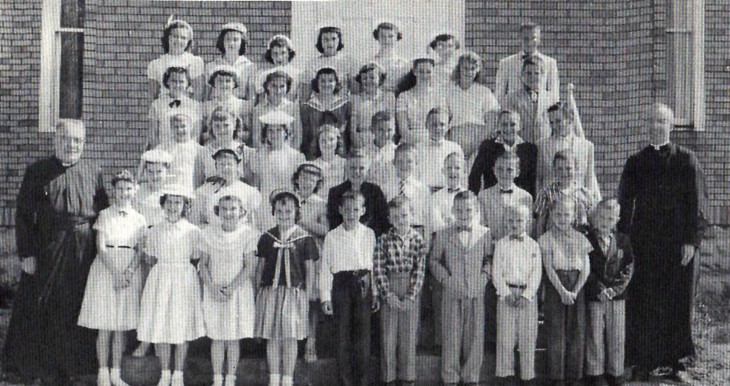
351,306
566,329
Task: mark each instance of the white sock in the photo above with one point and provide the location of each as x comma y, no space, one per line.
274,379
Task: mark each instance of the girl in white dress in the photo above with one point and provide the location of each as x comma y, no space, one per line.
111,299
419,96
388,34
445,46
372,98
227,268
232,43
177,41
275,162
171,313
176,82
155,172
327,153
307,184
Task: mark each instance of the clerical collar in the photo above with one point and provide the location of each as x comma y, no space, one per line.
660,146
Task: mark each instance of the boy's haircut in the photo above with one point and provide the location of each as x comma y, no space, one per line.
404,148
326,129
533,61
356,153
380,116
387,25
372,66
175,70
565,155
278,74
529,26
465,195
168,30
352,195
220,43
222,72
470,57
326,71
457,155
124,175
279,41
507,156
325,30
409,81
557,106
400,201
443,109
444,38
187,203
607,204
508,112
311,169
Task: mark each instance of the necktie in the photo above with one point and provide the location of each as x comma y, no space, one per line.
175,103
463,228
526,56
123,213
506,191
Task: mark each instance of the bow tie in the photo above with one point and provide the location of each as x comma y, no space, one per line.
463,228
454,190
527,56
506,191
123,212
533,96
517,238
175,103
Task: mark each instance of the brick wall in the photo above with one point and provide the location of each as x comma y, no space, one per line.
613,52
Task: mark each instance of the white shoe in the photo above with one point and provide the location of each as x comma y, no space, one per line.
217,380
116,377
230,380
102,379
164,378
177,379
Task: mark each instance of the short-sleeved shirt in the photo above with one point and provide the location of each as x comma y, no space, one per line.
568,250
194,64
302,247
471,105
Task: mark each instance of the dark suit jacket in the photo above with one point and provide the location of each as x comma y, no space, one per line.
612,269
482,174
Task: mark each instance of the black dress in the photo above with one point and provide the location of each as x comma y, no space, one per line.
56,207
662,199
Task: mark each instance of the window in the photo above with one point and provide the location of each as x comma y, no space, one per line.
62,42
686,62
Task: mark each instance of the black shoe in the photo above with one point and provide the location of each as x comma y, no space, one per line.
639,374
596,380
682,377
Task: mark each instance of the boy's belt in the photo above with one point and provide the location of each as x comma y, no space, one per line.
120,246
518,286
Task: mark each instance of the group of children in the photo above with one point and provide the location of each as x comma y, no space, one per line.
375,186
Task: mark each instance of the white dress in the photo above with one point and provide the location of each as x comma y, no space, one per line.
171,310
148,205
333,174
274,169
103,307
230,252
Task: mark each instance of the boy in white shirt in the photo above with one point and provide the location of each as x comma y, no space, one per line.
381,151
516,275
347,290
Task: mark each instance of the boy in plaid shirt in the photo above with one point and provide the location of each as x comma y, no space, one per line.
399,268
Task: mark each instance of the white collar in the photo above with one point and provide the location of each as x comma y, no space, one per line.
657,147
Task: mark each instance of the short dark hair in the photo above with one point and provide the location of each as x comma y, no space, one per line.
371,67
465,195
325,30
279,41
168,30
124,175
352,195
285,196
187,204
278,74
220,43
326,71
386,25
380,116
308,168
528,26
444,38
175,70
221,72
265,132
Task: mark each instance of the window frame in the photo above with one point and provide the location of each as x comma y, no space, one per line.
691,23
49,91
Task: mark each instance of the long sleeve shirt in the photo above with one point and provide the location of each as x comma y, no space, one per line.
399,254
519,263
461,260
345,250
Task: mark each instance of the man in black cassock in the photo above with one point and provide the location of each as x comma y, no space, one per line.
59,199
662,197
